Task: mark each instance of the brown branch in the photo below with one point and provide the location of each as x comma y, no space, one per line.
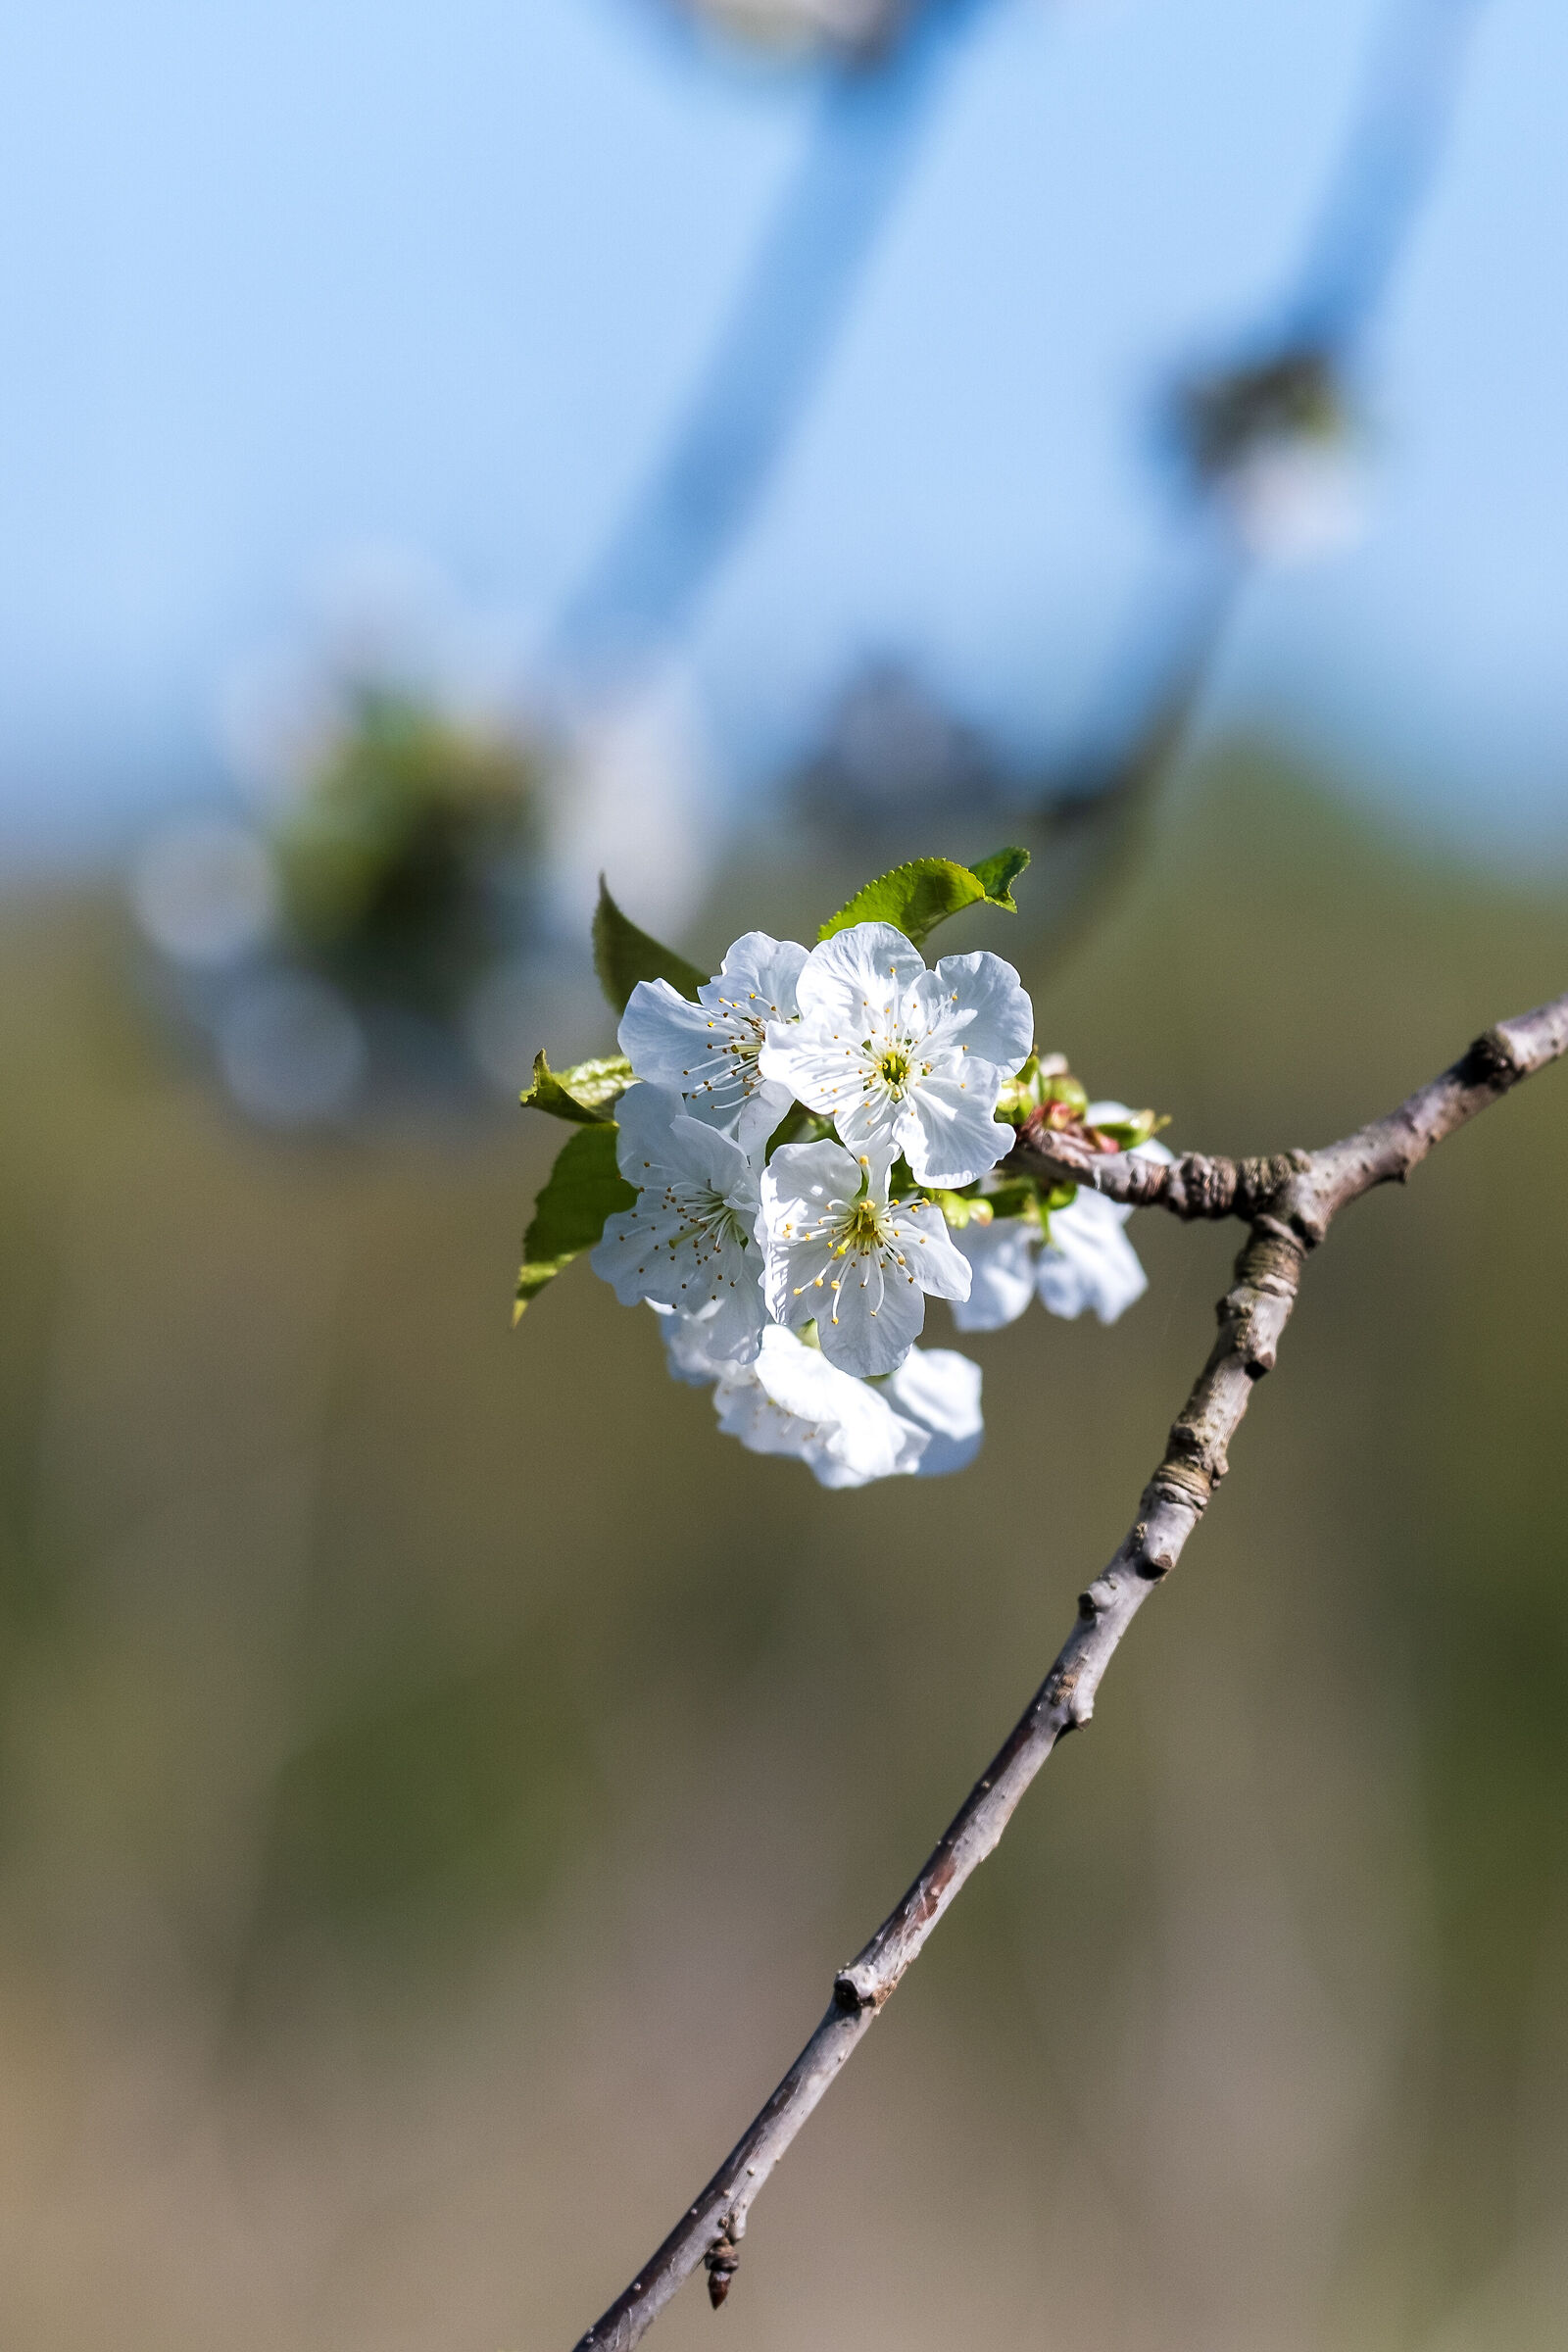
1288,1204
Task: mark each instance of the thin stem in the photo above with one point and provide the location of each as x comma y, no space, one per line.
1288,1204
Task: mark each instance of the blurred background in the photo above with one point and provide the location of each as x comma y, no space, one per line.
446,452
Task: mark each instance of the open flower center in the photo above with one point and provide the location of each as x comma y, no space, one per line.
862,1227
893,1068
709,1220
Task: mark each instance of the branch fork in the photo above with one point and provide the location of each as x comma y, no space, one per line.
1287,1202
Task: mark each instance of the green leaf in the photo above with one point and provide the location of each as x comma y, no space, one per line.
997,874
580,1094
585,1187
916,897
623,955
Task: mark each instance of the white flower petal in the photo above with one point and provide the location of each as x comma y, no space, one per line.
795,1284
688,1240
714,1158
939,1391
1002,1269
668,1040
1089,1262
859,977
791,1401
747,1411
816,1070
708,1050
945,1129
688,1346
990,1012
876,1313
858,1437
644,1120
925,1241
758,977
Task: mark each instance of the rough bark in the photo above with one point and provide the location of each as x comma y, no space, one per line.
1286,1203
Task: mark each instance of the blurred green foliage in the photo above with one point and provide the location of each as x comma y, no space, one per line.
443,1773
396,858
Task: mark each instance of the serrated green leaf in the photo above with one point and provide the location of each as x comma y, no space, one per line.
585,1187
997,873
623,955
916,897
581,1093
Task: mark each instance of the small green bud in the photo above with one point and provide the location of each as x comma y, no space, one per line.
1066,1091
1125,1135
961,1209
1033,1086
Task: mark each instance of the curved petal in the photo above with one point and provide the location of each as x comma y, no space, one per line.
927,1251
811,1177
945,1128
715,1159
876,1315
853,1428
987,1008
669,1040
636,1255
798,1283
735,1317
646,1141
758,977
1002,1272
855,981
799,1404
747,1411
687,1349
1089,1262
822,1070
939,1392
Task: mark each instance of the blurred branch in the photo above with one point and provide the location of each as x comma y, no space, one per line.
1385,170
1288,1202
1284,386
770,351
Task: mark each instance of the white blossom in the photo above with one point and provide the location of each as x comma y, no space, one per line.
939,1391
708,1050
1088,1264
688,1343
689,1242
789,1400
1003,1260
902,1059
837,1250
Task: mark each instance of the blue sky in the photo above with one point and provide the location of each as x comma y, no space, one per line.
285,280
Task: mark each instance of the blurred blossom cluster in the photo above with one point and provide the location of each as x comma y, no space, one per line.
398,898
1274,443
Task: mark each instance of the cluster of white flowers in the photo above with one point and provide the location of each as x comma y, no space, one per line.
795,1281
